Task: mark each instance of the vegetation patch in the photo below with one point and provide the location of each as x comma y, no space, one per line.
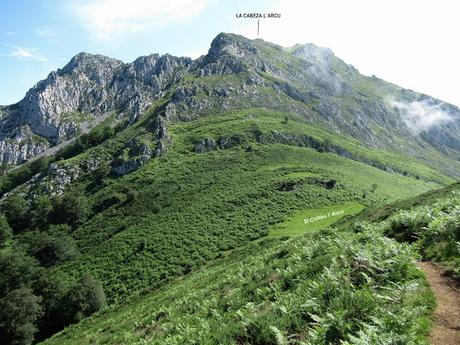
326,287
314,219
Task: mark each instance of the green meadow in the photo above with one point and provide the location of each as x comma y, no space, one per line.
314,219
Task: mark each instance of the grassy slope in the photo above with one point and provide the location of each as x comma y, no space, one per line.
314,289
264,292
379,213
191,207
306,221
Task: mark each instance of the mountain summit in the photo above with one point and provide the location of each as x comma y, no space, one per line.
306,81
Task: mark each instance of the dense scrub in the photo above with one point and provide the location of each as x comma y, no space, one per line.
434,229
348,285
34,239
324,288
173,215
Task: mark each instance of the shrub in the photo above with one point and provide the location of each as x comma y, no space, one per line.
85,298
16,270
374,187
53,250
15,209
102,171
40,209
40,164
19,312
406,226
112,200
131,195
15,178
72,209
5,230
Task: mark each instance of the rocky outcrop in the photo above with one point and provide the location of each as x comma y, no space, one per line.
22,146
135,154
275,137
88,84
138,151
205,145
306,81
123,167
57,177
223,143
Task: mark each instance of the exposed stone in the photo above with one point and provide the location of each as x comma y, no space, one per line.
125,167
305,81
205,145
89,84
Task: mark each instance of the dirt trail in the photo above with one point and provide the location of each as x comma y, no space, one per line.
446,328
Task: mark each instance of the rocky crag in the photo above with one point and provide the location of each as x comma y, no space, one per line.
304,81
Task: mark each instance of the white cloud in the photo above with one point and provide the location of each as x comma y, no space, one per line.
26,53
45,32
10,33
420,116
106,18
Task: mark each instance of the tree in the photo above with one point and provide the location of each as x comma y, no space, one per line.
39,211
19,312
330,184
5,230
53,287
72,209
131,195
286,119
85,298
17,270
40,164
52,250
111,200
102,171
19,175
15,209
327,145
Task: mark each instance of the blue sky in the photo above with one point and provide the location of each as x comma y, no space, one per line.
37,37
412,43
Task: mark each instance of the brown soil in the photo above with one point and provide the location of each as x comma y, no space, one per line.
446,328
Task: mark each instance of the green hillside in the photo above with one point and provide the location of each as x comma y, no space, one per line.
174,214
189,207
204,217
352,285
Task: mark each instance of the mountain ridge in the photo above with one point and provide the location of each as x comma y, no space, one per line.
319,87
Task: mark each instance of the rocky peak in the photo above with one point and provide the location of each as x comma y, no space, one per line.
229,53
231,44
85,62
323,88
90,84
157,65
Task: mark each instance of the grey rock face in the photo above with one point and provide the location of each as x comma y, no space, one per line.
138,151
125,167
306,81
135,154
58,177
21,146
88,84
205,145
